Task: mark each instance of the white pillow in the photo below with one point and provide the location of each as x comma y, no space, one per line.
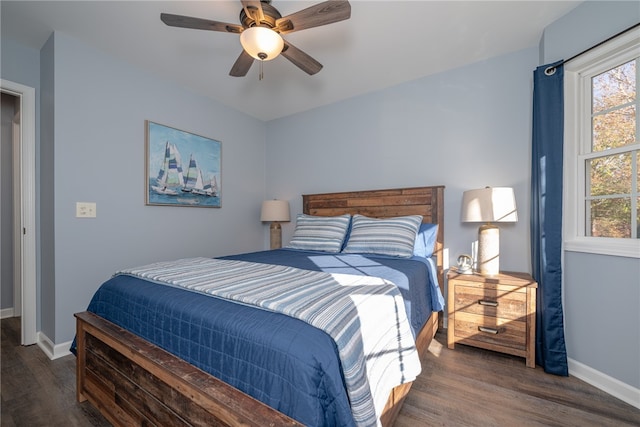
394,236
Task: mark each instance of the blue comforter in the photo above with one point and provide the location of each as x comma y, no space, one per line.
281,361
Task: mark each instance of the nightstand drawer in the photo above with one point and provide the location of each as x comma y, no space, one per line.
505,303
491,330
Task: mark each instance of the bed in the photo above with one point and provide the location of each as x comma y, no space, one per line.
128,365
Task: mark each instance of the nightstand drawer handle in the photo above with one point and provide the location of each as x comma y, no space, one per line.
488,330
488,302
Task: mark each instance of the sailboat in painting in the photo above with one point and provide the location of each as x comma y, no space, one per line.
195,184
211,187
170,177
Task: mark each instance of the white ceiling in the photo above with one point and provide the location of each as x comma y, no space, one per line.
383,44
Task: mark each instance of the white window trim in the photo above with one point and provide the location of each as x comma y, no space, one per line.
624,46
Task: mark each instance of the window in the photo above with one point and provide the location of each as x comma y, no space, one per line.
602,149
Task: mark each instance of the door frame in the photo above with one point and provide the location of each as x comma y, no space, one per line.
27,204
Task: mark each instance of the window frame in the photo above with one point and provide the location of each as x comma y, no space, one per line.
577,142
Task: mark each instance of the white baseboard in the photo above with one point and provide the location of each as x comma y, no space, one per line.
5,313
614,387
53,351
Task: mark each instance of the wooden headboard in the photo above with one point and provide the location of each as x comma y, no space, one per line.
425,201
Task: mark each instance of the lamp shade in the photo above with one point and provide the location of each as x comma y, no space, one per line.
274,210
261,43
489,205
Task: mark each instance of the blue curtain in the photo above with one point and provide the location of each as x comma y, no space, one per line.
546,215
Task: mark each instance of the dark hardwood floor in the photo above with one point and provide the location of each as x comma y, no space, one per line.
37,391
461,387
474,387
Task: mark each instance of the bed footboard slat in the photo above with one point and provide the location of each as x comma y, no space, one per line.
133,382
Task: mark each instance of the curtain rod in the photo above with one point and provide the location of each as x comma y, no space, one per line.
550,70
602,42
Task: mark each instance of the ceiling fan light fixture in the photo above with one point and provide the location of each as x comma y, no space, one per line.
261,43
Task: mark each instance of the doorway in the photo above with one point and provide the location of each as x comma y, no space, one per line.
10,242
17,215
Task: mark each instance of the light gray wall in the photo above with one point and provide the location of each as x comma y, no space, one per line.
601,293
465,129
602,313
99,110
20,64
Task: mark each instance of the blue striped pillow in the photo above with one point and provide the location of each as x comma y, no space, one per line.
319,233
383,236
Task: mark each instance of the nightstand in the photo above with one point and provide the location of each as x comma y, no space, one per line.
493,312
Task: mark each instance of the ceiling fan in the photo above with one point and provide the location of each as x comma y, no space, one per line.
261,29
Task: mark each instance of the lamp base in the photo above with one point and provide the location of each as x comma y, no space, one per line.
276,235
489,250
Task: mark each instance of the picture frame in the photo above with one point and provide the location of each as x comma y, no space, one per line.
181,168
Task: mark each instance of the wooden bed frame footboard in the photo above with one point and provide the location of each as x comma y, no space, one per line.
133,382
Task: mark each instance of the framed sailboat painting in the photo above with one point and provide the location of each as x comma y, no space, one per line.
182,168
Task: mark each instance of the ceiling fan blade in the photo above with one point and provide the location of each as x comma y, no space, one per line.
258,16
199,24
323,13
242,65
301,59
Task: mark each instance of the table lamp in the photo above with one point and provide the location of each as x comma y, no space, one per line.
275,211
489,205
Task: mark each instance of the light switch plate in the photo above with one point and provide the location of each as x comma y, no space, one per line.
85,210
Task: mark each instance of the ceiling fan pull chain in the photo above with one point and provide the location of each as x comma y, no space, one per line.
261,74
